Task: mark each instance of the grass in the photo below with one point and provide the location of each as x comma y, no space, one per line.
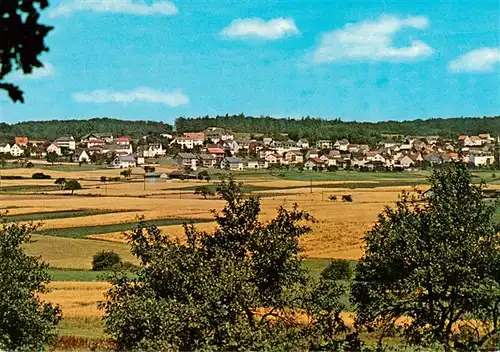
86,327
59,214
84,231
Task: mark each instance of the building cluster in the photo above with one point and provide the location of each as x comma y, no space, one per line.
224,151
218,148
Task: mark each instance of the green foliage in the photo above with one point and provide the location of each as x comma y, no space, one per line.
148,168
332,197
61,181
106,260
51,157
40,176
22,41
29,164
72,185
435,262
26,322
204,175
126,173
238,288
204,191
338,269
53,129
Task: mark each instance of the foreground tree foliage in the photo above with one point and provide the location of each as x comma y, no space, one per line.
432,267
21,40
26,322
240,287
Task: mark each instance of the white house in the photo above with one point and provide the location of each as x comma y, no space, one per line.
273,159
233,164
54,148
153,150
123,149
122,140
303,143
314,163
405,162
186,160
5,148
324,144
16,150
123,161
479,160
187,142
66,142
256,164
342,144
81,156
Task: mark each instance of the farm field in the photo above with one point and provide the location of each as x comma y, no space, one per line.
75,227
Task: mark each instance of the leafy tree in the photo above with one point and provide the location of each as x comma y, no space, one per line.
126,173
338,269
26,322
148,168
237,288
40,176
203,175
51,157
204,191
72,185
332,197
106,260
61,181
434,262
29,164
22,40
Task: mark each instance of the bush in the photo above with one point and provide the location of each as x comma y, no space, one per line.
40,176
332,197
204,192
30,164
347,198
106,260
338,269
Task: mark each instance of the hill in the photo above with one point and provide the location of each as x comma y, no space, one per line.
357,132
55,128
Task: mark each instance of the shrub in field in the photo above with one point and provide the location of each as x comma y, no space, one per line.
72,185
40,176
347,198
26,322
332,197
204,191
29,164
338,269
106,260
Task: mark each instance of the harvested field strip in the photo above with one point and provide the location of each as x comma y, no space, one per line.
84,231
40,216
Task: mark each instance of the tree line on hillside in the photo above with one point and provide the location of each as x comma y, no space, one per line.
50,130
356,132
430,277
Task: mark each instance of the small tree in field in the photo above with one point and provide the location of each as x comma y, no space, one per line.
204,191
51,157
26,322
237,288
126,173
106,260
347,198
61,182
338,269
434,262
72,185
332,197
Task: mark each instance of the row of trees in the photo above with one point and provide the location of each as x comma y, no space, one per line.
430,274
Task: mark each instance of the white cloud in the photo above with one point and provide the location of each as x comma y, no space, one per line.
257,28
141,94
476,61
371,41
135,7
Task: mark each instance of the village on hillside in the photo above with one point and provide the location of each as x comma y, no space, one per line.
218,148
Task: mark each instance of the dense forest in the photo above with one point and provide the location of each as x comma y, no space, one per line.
360,132
56,128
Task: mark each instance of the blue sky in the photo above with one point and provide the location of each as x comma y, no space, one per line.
358,60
